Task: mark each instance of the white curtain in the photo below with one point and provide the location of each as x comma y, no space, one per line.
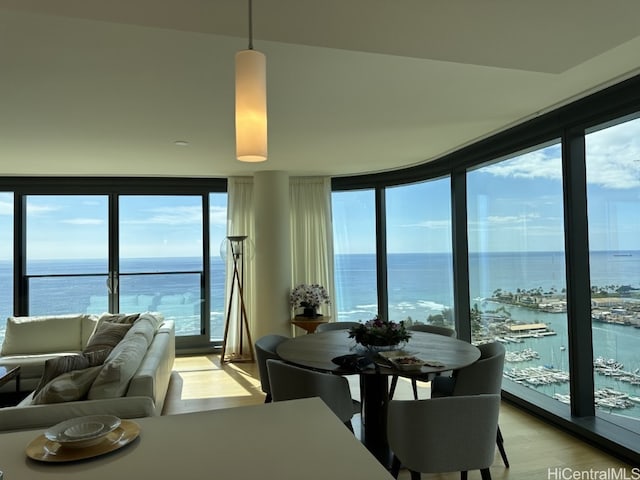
240,221
312,235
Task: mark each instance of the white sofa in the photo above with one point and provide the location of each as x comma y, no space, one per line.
131,382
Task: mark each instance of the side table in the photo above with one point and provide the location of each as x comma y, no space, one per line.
309,324
7,375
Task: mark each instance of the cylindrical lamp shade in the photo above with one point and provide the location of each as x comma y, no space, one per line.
251,106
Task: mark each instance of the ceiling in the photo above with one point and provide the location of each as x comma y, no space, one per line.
90,87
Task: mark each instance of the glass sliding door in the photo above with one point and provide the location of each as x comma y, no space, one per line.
613,194
67,254
354,240
419,253
161,258
517,267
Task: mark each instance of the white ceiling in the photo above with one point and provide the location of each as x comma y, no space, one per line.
94,87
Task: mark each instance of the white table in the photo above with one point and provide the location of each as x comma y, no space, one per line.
299,439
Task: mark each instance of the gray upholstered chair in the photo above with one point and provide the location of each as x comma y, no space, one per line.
325,327
482,376
265,350
289,382
421,327
438,435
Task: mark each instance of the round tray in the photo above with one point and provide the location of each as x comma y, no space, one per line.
44,450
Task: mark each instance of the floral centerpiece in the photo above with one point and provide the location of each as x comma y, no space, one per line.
378,332
309,297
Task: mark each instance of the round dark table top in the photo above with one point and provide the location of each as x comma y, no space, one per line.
317,351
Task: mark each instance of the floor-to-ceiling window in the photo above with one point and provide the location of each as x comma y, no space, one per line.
354,234
613,189
545,235
6,259
218,238
66,254
419,252
517,279
128,246
161,258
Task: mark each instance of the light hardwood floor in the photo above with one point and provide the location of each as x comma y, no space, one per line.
536,450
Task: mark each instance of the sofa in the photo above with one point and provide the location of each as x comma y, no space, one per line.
83,364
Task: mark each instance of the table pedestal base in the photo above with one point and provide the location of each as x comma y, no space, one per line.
375,398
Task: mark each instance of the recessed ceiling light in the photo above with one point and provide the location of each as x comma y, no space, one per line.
181,143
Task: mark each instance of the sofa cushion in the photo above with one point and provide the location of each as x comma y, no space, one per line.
67,387
106,336
119,368
43,334
147,325
55,367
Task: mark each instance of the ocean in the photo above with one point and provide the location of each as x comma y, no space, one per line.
420,285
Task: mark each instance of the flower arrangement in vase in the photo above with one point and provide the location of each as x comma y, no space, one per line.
309,297
379,332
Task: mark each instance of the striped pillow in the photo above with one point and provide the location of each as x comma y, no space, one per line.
106,336
67,387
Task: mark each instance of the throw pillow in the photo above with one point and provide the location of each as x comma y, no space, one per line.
55,367
106,336
67,387
119,317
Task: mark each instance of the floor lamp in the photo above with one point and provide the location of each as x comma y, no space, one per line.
236,244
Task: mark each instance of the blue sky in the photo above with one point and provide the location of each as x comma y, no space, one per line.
514,205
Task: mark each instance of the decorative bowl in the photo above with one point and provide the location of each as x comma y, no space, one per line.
82,432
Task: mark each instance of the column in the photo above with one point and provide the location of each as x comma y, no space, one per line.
272,254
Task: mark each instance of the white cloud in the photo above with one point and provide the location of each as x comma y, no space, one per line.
613,156
6,208
171,216
83,221
430,224
35,209
218,215
613,159
511,219
545,163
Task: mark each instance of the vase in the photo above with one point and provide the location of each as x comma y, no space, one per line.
310,312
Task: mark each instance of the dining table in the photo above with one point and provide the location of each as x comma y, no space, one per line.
438,354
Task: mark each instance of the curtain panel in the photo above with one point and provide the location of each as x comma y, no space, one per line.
312,235
240,221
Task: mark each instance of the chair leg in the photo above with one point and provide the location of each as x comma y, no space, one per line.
485,474
414,385
503,453
267,399
395,467
392,388
464,475
415,475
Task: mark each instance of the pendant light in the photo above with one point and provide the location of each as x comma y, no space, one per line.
251,102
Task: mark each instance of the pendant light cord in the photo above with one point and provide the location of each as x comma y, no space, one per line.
250,25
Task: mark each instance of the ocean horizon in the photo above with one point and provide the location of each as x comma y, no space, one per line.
419,285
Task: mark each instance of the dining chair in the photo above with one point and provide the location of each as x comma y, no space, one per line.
289,382
265,350
481,377
325,327
421,327
439,435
